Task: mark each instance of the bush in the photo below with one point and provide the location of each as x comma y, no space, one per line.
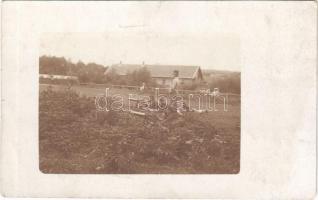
139,76
75,140
191,86
58,81
226,83
134,78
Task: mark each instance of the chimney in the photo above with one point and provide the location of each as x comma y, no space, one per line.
143,62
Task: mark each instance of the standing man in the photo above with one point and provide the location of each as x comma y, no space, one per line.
175,82
176,104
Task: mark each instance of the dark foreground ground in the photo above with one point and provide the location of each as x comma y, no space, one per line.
74,139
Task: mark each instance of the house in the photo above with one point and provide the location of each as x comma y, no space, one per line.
162,74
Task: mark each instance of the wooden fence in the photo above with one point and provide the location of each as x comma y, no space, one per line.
161,89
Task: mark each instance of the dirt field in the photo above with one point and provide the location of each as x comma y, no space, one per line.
74,139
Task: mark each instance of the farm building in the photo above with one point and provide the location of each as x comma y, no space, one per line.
57,79
51,76
162,74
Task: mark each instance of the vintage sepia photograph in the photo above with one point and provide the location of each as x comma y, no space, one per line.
139,103
159,99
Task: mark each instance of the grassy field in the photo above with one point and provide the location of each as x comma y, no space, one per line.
76,139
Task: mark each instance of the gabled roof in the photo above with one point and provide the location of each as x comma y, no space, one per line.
158,70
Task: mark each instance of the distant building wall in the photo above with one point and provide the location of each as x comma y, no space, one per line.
162,81
187,81
167,81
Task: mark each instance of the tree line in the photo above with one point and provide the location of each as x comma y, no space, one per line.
225,81
91,72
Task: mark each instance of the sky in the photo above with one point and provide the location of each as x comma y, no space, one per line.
221,52
154,33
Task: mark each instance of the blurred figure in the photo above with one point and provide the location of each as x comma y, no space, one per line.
216,92
143,86
175,82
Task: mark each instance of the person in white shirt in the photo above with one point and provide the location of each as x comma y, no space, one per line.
142,88
175,81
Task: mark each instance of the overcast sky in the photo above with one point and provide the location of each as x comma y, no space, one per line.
165,35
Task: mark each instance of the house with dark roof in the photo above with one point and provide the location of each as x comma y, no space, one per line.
162,74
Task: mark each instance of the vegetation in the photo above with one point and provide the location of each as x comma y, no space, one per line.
87,73
135,78
95,73
76,139
91,72
224,80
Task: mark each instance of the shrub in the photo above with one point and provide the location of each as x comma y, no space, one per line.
58,81
226,83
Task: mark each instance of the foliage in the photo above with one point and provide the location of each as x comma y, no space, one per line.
136,78
86,73
53,65
225,81
187,86
139,76
74,139
59,81
112,77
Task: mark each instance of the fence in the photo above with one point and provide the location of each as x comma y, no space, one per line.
162,90
152,89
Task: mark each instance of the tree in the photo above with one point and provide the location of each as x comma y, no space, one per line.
139,76
112,76
91,72
53,65
230,82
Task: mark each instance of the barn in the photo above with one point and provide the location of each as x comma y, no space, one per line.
162,74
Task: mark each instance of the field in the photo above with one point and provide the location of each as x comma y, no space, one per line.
74,138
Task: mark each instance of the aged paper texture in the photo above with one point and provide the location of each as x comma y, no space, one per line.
271,151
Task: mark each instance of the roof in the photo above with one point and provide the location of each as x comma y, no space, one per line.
185,71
